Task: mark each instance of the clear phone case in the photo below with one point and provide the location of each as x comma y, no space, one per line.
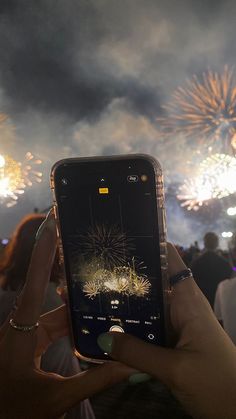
160,200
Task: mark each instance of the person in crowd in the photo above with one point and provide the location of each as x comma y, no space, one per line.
225,306
14,262
209,269
232,251
200,370
59,358
190,254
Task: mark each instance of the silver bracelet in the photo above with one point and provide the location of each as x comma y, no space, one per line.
23,327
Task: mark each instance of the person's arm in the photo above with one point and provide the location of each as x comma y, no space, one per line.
201,369
27,391
217,305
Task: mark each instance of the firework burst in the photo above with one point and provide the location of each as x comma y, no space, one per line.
204,108
91,289
117,284
108,245
30,169
123,280
141,286
102,266
216,178
16,176
194,193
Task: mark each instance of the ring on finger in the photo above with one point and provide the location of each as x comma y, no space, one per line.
180,276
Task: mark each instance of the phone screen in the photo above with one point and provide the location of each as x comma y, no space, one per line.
109,229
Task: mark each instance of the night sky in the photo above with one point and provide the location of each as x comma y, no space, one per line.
81,78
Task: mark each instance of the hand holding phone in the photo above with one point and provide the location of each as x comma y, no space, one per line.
201,370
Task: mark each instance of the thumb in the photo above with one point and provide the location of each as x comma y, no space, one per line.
157,361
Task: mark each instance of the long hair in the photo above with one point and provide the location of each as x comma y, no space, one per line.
16,257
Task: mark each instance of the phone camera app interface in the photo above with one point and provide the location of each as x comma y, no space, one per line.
112,256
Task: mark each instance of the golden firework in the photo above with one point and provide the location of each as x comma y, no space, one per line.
215,178
91,289
108,245
11,180
30,169
102,263
204,108
194,193
141,286
16,176
86,269
122,279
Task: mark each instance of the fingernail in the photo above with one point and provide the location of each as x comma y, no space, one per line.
105,342
139,377
49,223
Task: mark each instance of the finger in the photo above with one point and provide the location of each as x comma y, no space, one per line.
52,326
32,297
154,360
5,324
55,323
190,312
63,292
184,292
175,262
74,389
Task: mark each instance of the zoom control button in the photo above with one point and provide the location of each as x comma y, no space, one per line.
116,328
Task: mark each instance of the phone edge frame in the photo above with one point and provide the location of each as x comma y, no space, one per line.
162,229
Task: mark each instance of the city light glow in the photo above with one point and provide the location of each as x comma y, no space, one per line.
227,234
231,211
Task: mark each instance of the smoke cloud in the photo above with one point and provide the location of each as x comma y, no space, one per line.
88,77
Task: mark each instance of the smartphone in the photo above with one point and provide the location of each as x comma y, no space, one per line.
111,226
